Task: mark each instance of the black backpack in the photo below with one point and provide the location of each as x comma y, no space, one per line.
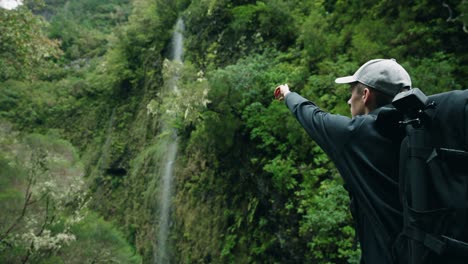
433,178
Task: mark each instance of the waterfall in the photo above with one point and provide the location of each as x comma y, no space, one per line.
165,188
177,52
178,41
162,255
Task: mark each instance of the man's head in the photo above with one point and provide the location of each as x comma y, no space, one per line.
375,84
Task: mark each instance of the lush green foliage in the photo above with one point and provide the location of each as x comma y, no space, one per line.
248,156
25,51
84,97
83,26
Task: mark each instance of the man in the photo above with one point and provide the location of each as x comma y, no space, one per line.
364,150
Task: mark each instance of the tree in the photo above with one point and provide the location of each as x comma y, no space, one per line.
25,51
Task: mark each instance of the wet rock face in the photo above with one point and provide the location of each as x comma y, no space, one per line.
116,171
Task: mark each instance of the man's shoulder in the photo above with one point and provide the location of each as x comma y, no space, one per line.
362,120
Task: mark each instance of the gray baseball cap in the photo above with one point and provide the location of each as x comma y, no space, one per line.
385,75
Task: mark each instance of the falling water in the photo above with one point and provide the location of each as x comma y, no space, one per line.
177,52
162,254
164,205
178,41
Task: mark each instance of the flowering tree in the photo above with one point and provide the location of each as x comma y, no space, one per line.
43,183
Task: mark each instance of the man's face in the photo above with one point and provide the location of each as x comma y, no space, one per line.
356,102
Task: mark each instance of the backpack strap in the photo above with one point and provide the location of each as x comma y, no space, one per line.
466,125
439,245
456,247
455,158
426,239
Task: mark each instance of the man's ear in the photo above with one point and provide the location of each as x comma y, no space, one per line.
366,95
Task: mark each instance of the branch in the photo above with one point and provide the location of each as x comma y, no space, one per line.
27,199
26,258
46,220
450,19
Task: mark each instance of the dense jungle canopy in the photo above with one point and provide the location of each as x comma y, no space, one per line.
84,111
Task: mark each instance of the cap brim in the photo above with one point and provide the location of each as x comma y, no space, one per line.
347,79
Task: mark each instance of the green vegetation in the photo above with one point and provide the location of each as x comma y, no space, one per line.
84,94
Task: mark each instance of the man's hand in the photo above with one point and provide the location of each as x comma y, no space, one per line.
281,92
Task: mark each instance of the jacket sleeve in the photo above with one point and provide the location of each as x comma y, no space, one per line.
331,132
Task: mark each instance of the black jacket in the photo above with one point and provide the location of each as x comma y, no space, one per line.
367,159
